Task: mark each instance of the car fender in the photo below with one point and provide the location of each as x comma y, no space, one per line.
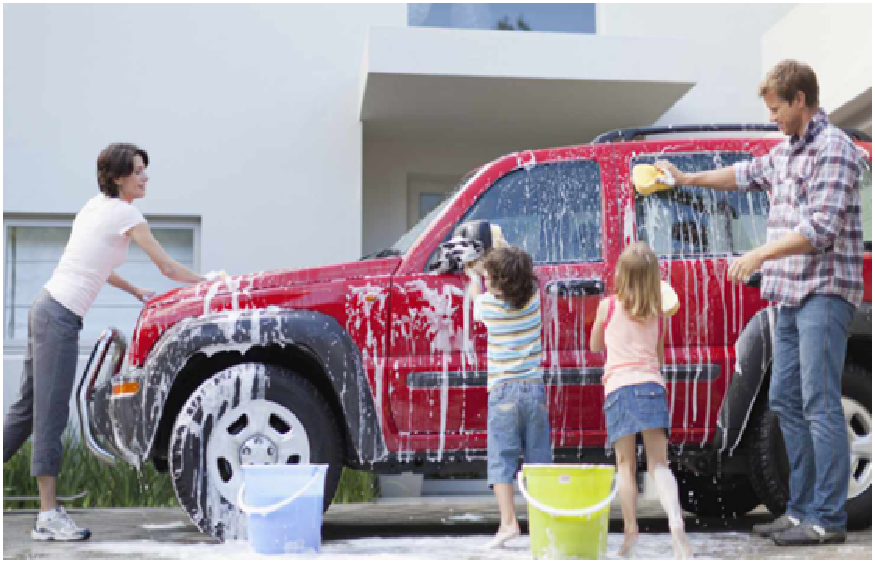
320,335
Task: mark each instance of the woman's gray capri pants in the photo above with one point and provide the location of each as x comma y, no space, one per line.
43,403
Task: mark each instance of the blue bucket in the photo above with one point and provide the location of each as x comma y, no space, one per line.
283,506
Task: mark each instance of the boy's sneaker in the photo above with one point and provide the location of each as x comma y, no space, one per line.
808,534
58,526
782,524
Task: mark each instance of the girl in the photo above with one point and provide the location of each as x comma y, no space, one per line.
630,326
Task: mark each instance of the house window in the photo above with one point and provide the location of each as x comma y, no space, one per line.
563,18
34,247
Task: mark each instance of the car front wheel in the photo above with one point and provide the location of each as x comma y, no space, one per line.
247,414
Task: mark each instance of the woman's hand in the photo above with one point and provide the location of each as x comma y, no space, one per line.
213,275
145,294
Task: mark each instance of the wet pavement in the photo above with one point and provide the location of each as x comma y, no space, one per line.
412,528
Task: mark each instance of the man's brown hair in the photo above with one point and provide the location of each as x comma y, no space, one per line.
788,78
511,273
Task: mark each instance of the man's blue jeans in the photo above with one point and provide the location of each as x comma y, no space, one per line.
806,394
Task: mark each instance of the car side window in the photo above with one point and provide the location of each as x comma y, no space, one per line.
692,221
553,211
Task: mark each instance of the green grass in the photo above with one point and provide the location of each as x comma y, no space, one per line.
121,485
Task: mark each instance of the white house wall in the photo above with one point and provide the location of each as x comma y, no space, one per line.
836,40
249,114
730,52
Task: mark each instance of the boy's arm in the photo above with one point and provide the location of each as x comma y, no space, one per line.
597,336
475,283
474,290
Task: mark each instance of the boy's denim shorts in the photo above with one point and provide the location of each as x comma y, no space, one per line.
634,408
517,423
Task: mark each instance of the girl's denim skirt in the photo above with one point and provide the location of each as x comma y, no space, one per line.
634,408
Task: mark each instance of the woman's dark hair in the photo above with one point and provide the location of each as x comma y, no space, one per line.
117,161
510,271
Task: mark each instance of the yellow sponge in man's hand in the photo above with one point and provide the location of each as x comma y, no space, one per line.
649,179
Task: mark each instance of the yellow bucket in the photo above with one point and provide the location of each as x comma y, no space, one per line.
569,509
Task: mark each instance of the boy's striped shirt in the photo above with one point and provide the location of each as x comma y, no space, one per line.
513,342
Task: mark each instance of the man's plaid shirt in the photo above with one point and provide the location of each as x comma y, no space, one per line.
814,191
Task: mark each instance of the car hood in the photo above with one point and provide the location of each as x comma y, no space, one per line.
258,281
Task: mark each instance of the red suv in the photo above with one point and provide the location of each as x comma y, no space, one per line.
377,365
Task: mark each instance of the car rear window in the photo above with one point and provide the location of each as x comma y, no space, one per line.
692,221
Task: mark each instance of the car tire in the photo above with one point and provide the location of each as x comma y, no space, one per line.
247,413
716,496
770,469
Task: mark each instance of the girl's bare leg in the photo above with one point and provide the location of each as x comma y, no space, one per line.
656,446
624,449
509,527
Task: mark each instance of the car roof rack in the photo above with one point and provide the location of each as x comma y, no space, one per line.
632,133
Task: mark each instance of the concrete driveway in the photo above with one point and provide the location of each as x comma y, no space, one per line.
425,528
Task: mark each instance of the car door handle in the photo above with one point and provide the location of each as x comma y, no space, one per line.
575,287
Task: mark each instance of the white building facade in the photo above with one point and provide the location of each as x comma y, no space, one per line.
289,136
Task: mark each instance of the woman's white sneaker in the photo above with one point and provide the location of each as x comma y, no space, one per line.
56,525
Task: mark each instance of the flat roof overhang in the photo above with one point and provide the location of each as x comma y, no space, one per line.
534,89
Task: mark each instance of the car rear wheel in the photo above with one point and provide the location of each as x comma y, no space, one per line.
770,469
247,414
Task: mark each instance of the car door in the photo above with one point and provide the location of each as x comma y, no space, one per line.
697,232
551,205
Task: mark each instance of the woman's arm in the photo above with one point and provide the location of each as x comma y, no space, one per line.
116,280
597,336
142,235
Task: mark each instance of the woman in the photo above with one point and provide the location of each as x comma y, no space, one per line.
98,244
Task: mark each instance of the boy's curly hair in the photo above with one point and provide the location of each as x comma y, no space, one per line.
511,272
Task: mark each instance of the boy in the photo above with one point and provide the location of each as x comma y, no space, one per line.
517,421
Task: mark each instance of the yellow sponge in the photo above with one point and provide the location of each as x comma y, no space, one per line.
649,179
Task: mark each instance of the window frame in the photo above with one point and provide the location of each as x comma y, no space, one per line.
18,345
602,215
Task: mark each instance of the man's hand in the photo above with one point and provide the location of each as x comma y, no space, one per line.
742,268
680,178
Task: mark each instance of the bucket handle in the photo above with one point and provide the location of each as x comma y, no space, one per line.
263,510
570,512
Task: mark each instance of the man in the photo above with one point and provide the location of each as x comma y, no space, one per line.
812,268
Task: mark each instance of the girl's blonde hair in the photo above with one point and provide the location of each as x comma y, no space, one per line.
636,281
